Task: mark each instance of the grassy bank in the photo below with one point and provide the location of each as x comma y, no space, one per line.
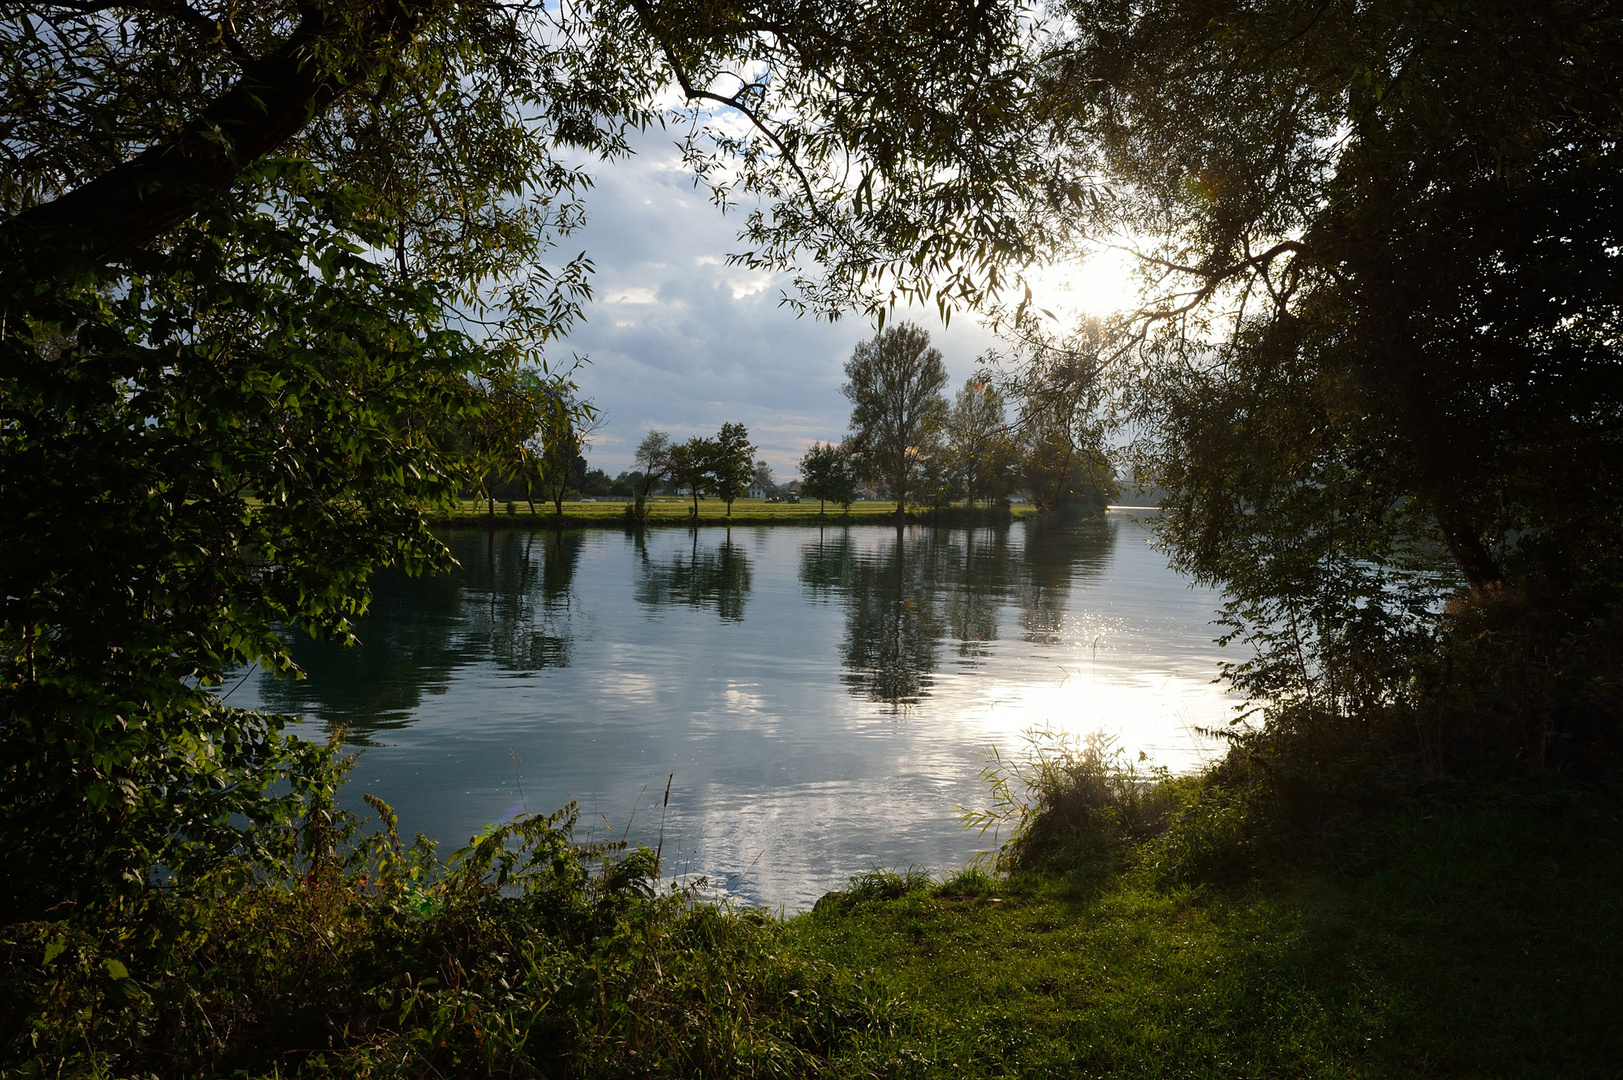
1433,940
1479,942
672,511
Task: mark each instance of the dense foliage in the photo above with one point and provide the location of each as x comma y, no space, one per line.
179,477
1377,359
276,280
523,954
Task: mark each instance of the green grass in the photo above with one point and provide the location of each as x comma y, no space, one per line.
1485,943
1476,942
668,510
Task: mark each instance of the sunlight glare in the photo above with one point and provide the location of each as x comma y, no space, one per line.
1100,284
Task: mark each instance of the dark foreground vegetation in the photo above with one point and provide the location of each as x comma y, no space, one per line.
273,278
1134,926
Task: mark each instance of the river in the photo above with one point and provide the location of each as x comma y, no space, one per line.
823,697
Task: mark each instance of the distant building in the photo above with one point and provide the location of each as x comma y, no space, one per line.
768,491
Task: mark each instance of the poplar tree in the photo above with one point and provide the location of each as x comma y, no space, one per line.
897,408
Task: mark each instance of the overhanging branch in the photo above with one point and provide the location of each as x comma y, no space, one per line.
133,203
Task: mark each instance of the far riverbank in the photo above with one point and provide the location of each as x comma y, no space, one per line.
578,514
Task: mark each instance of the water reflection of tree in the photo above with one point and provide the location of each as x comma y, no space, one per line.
975,588
1057,555
826,563
507,602
918,589
893,629
517,598
892,632
700,577
408,647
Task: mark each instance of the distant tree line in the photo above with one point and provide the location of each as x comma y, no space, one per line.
911,444
1036,432
529,434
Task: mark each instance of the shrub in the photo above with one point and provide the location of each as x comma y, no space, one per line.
523,954
1070,802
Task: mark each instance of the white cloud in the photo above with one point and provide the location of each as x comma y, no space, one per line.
680,340
634,295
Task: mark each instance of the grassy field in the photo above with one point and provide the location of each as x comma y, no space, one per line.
1485,943
673,511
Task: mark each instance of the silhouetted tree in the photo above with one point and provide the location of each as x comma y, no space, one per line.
828,473
896,405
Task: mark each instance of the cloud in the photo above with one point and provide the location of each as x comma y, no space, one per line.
681,341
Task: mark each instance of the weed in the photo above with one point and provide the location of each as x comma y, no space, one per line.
974,880
878,884
523,954
1070,802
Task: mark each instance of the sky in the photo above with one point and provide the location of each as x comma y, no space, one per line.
681,342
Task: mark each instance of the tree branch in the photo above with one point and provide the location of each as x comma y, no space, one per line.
133,203
737,102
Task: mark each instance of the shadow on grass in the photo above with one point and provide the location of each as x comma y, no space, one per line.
1476,942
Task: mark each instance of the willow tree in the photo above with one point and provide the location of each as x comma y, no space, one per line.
1376,363
255,261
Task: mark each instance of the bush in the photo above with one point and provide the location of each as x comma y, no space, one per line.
523,954
1070,803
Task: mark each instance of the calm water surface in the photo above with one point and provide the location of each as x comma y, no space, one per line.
822,696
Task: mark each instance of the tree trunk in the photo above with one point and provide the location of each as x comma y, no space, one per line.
1471,555
133,203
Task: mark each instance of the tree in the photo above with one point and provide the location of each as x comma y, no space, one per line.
980,452
251,268
691,467
1381,243
1059,394
553,461
828,473
560,465
654,464
896,405
763,475
731,463
512,406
